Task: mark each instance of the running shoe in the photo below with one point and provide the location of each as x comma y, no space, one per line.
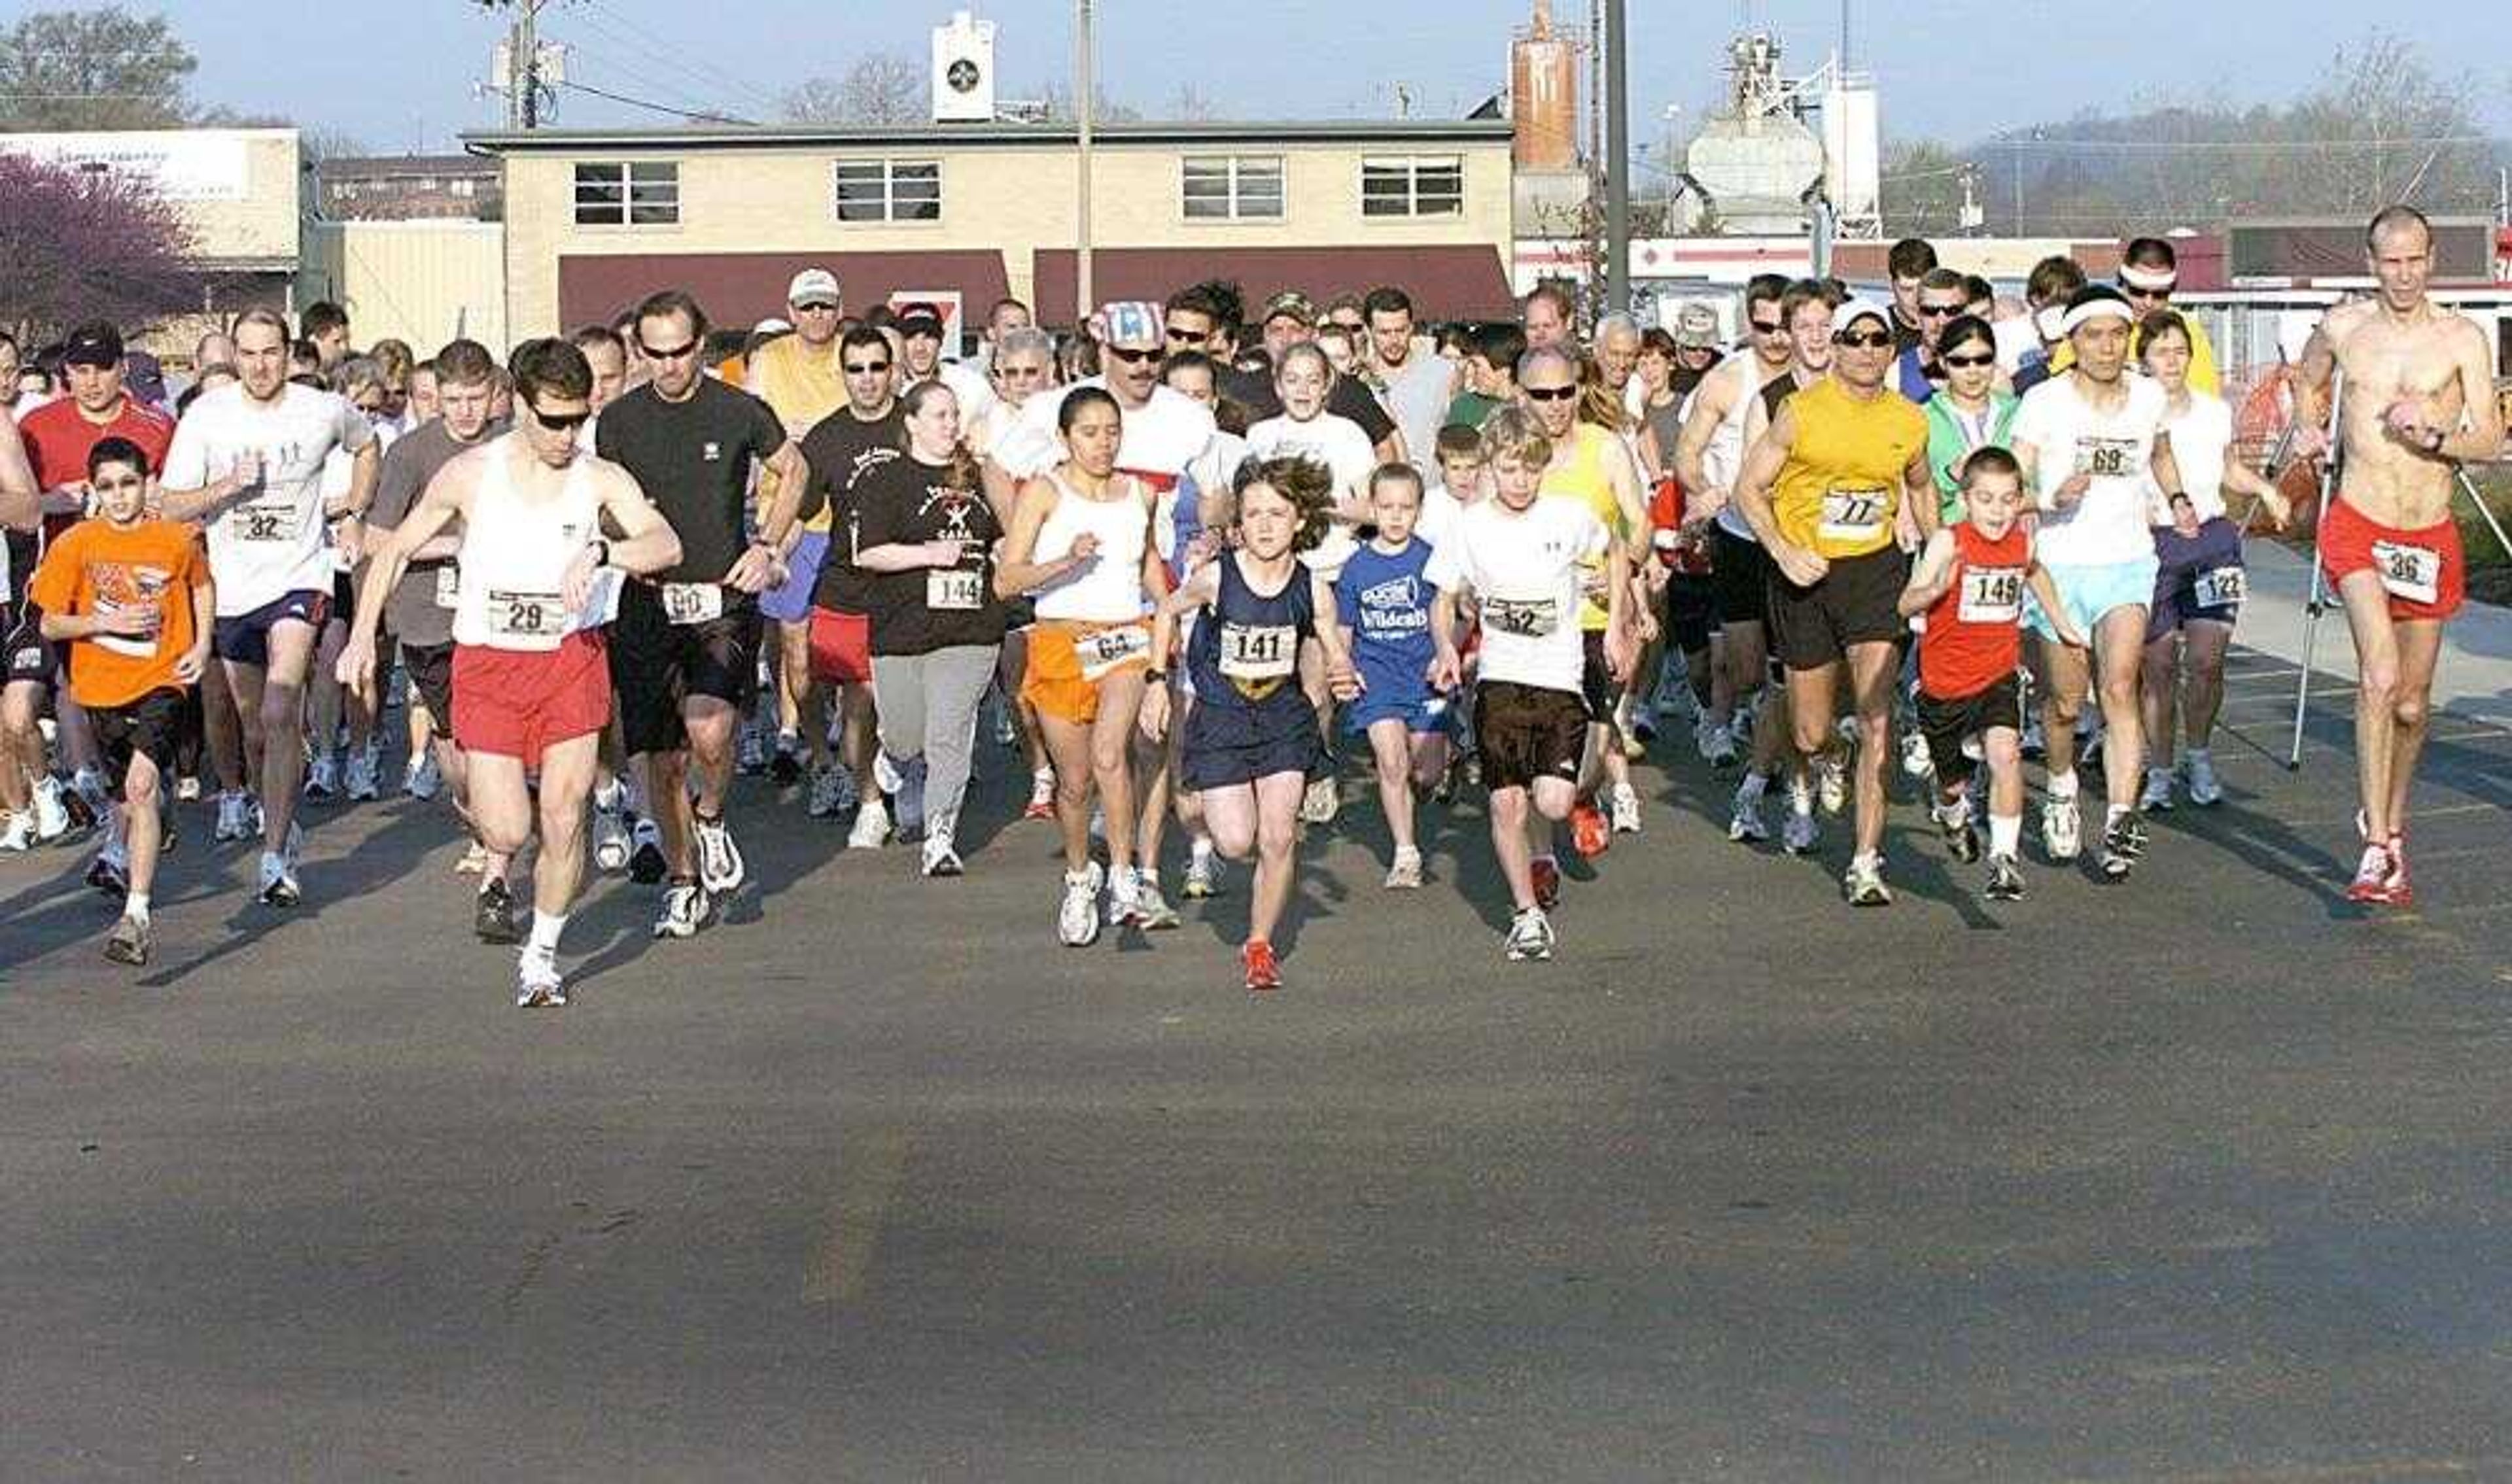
939,858
109,872
1041,796
646,861
2063,830
1589,830
750,750
1530,936
1321,802
1546,875
871,829
2005,879
474,859
188,790
2120,849
1125,906
1799,834
2372,883
1627,809
1263,973
720,866
1831,782
420,777
323,777
2157,797
254,813
1745,826
786,767
1962,837
18,832
1076,921
2402,893
1916,760
1152,911
365,770
823,802
1405,874
51,815
2205,791
2132,835
278,887
1863,883
610,842
492,913
1202,874
686,909
129,941
537,985
1717,746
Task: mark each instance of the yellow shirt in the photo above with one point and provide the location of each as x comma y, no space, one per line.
1582,477
802,387
1841,486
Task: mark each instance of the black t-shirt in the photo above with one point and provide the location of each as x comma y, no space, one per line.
902,501
1346,398
1778,390
839,447
692,459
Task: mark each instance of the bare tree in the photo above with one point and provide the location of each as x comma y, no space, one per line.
880,87
78,243
1191,103
99,69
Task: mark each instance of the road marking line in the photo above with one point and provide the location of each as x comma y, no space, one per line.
866,1184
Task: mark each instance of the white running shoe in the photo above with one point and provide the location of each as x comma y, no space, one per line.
1746,824
2205,790
1916,759
1202,873
1152,911
1076,921
610,845
871,829
52,816
1321,802
2158,791
365,767
474,859
421,778
1800,834
750,751
1405,874
685,910
2063,828
1627,809
18,833
939,858
278,887
537,985
1831,782
323,777
1125,898
1530,935
721,868
1863,883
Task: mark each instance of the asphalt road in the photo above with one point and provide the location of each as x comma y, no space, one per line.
2202,1177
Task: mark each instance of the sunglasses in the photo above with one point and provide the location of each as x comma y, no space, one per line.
674,354
1552,393
1179,337
1873,339
1940,311
1131,355
2135,292
1966,362
865,367
561,422
1770,326
815,310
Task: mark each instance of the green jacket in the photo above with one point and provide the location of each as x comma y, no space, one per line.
1947,447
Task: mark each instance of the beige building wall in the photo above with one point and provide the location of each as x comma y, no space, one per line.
262,227
424,282
1007,197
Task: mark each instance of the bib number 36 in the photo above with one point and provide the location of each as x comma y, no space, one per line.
2408,571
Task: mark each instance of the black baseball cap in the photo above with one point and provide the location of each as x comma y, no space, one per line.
920,321
94,344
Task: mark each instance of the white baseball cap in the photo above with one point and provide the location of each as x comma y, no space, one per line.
813,286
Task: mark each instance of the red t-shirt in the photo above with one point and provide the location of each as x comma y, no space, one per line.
1974,632
58,437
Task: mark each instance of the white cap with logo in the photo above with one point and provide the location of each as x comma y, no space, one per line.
813,286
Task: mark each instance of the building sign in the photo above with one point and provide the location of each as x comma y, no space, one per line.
179,165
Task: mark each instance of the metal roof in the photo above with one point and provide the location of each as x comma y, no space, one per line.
849,137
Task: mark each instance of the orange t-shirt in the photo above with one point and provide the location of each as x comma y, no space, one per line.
94,566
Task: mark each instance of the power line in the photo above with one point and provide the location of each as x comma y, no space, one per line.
643,80
663,49
638,103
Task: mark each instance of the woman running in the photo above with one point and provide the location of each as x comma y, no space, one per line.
1251,739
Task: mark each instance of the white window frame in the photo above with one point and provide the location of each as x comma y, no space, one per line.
1236,201
649,185
1416,202
892,174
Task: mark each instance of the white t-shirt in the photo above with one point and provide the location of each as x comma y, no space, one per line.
272,542
2200,439
2117,448
1161,436
1440,513
968,383
1523,567
1339,443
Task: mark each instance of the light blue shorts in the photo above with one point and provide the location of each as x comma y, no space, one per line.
2089,592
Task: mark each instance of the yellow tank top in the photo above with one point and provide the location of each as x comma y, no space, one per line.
1582,477
1841,486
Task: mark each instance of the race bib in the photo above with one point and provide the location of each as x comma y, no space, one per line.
449,586
1525,617
1853,514
2222,587
953,590
1991,595
262,522
1102,650
2110,457
1258,651
2410,571
685,602
526,616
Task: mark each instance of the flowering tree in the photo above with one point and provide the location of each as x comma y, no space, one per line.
79,245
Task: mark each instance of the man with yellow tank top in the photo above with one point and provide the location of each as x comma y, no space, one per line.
1838,491
1592,465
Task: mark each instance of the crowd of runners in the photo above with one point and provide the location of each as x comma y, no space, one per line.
1189,564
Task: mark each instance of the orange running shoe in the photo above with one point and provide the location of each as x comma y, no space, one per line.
1589,830
1263,973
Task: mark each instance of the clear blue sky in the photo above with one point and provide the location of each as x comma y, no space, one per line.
398,74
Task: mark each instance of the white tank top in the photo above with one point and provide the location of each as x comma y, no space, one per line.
1109,587
515,556
1724,458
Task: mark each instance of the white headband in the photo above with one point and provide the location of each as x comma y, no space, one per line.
2151,280
2097,309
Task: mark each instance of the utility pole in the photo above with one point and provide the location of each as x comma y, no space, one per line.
521,63
1083,104
1618,164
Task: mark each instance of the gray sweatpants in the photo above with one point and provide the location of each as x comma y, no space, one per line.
929,705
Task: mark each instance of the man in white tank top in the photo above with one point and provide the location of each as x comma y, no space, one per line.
531,681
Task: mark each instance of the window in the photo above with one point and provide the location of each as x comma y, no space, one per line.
640,194
1232,187
890,190
1421,187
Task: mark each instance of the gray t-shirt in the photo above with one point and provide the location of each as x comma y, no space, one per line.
414,611
1417,397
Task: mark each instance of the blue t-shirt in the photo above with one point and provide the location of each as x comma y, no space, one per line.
1385,600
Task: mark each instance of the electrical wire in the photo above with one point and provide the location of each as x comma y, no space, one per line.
573,86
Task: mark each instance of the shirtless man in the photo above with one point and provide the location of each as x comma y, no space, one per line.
2418,401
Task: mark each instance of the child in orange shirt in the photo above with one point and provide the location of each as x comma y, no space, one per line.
131,598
